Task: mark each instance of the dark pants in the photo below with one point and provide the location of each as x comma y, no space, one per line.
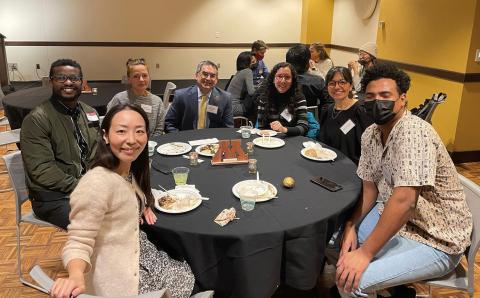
52,207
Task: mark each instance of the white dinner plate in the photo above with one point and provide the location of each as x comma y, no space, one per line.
270,193
266,132
268,142
174,148
325,154
207,153
194,200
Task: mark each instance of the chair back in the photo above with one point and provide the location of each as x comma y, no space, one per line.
240,121
472,194
429,116
166,95
314,110
228,83
14,164
2,95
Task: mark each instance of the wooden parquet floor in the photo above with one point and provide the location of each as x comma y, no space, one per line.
42,245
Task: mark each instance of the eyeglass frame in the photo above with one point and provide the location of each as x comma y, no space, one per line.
341,83
283,78
206,75
74,78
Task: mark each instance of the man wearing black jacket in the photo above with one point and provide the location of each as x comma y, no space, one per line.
313,87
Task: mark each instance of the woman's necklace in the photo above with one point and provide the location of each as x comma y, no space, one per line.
335,113
129,177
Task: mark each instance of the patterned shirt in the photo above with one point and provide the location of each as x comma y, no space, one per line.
414,155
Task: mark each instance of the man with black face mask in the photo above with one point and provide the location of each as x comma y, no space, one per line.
420,224
367,56
58,141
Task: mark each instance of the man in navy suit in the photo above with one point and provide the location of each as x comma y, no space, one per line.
202,105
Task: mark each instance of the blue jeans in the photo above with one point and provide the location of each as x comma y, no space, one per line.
400,261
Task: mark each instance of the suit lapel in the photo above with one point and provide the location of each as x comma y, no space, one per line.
193,97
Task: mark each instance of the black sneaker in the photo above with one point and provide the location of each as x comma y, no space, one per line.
401,291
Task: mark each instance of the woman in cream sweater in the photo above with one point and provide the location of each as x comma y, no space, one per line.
106,254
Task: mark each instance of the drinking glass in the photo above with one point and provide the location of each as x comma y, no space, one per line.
250,147
193,158
248,197
151,147
246,131
252,166
180,175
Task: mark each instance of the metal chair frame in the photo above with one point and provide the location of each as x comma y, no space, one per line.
14,165
461,278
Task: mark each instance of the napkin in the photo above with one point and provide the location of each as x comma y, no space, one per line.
192,188
252,131
226,216
203,142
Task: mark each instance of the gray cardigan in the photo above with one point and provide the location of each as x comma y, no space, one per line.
241,84
151,104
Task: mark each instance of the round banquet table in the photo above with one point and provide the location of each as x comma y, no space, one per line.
280,241
18,104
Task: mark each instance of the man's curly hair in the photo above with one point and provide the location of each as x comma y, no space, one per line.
383,70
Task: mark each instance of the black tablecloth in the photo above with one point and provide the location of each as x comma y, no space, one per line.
18,104
280,241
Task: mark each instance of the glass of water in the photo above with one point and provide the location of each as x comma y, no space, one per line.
248,197
246,131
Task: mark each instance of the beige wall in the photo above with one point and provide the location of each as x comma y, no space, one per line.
190,21
440,34
349,29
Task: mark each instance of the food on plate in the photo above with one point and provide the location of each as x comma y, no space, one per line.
266,133
319,153
166,202
174,148
178,202
311,152
288,182
209,148
269,141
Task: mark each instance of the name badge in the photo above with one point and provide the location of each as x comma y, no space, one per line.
212,109
92,116
146,108
347,126
286,115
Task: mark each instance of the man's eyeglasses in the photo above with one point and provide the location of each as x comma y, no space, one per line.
61,78
341,83
283,78
205,75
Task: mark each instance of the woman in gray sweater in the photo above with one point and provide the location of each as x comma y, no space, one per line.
241,84
137,93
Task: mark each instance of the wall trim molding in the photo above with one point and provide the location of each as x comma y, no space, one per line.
138,44
465,156
435,72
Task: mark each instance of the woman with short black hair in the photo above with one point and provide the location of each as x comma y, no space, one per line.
241,85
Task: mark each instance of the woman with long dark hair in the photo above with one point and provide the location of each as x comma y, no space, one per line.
282,106
106,254
343,122
241,85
